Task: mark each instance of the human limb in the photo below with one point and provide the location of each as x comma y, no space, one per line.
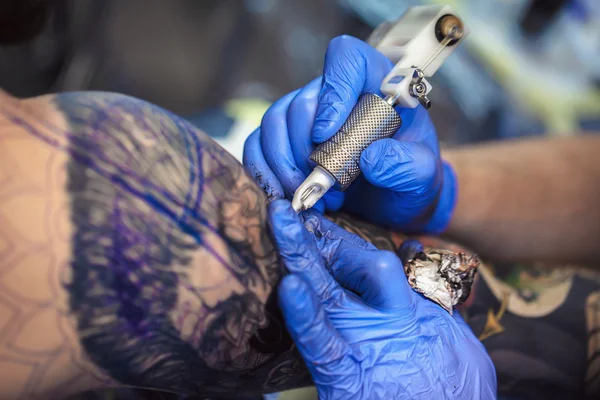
190,260
534,200
141,251
520,190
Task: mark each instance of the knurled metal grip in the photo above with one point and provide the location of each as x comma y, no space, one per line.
372,119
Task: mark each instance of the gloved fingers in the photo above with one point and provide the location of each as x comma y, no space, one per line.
317,340
417,127
403,167
298,250
376,276
334,199
300,119
329,237
471,345
256,165
275,143
460,321
408,249
352,67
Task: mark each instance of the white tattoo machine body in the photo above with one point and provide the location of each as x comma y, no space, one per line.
418,42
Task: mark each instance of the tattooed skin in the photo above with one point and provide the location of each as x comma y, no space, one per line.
136,252
167,268
382,239
172,268
151,214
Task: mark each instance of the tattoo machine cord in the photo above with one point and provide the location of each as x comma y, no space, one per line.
418,43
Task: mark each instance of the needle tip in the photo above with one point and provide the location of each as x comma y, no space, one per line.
297,204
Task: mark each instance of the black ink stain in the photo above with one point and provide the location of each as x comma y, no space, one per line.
266,188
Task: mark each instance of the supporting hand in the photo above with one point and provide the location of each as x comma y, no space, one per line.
363,333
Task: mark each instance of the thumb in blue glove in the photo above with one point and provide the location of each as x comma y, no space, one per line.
405,184
363,333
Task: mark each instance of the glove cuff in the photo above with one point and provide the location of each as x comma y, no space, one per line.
446,204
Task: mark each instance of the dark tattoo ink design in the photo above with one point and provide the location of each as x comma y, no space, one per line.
158,209
379,237
173,269
139,214
31,307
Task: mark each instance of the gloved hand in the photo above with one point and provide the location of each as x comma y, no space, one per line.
362,331
404,183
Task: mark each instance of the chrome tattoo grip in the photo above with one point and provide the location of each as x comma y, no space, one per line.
372,119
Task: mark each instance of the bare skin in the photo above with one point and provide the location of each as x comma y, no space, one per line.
39,341
529,200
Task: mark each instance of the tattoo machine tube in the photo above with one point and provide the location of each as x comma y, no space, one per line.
338,158
418,42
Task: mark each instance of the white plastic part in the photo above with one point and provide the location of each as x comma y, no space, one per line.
410,42
312,189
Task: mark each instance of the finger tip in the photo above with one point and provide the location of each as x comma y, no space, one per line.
288,231
321,132
408,249
251,147
279,206
333,200
291,283
370,156
319,206
281,214
412,244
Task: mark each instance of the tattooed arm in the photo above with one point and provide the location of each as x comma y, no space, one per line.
133,251
513,191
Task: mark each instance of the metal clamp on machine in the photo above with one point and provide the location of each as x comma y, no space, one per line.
418,43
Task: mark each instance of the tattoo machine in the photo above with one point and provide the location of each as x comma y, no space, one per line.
418,43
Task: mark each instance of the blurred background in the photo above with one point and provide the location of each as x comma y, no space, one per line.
529,67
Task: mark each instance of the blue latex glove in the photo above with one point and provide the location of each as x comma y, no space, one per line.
362,331
404,184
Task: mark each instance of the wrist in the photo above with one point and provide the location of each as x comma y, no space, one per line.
440,220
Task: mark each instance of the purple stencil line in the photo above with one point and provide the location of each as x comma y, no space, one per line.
96,167
24,300
84,159
10,246
34,366
19,255
16,313
192,177
211,287
123,169
28,352
38,374
152,200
